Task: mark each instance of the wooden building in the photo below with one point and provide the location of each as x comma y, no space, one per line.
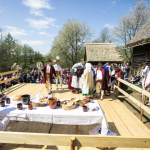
141,46
102,52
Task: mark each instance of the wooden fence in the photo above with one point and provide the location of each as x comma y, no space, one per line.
137,102
10,79
74,140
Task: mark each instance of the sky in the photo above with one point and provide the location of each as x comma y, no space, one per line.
37,22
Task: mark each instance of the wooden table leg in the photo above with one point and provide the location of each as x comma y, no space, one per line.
76,128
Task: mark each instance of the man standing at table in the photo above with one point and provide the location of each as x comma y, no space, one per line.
101,80
58,72
48,75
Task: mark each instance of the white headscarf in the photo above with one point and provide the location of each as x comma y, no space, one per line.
80,64
75,65
88,67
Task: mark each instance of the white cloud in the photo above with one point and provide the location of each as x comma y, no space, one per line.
113,2
42,23
108,25
15,31
33,43
36,6
44,33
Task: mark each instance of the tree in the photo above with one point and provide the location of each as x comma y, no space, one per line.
104,36
130,23
69,43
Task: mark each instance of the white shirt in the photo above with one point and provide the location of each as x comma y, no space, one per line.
48,69
58,68
99,75
145,71
147,82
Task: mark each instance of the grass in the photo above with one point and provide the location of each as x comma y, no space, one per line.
134,93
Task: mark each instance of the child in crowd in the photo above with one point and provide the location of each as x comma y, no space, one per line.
65,81
33,80
37,80
41,80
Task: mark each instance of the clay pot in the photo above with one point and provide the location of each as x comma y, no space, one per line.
19,106
52,102
25,99
7,100
58,103
30,107
2,103
85,108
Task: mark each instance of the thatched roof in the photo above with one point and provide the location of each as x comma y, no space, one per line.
142,36
102,52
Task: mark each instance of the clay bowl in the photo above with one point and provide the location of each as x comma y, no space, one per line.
81,103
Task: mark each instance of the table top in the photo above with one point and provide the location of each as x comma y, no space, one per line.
57,116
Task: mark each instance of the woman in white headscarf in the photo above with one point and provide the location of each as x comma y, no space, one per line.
75,78
87,81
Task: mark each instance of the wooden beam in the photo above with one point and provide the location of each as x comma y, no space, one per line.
134,100
134,87
8,72
144,98
72,143
80,140
10,79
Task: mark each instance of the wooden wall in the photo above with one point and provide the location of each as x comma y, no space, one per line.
141,54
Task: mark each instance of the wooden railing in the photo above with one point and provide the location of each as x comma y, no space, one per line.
137,102
10,79
74,140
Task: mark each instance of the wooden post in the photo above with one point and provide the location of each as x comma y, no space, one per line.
144,98
72,143
117,89
18,75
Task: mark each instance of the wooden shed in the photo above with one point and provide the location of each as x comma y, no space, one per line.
141,46
102,52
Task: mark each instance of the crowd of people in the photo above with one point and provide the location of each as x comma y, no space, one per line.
88,79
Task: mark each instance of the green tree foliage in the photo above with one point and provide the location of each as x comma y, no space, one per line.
69,43
12,51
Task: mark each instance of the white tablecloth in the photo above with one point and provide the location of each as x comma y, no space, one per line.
58,115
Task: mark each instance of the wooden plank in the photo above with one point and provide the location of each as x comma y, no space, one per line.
10,79
134,87
144,98
141,105
80,140
8,72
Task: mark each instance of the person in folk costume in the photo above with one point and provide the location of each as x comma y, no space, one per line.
58,72
101,80
49,71
147,85
108,68
144,73
75,77
87,84
120,74
113,78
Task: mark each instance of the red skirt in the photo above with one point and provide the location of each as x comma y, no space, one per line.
69,84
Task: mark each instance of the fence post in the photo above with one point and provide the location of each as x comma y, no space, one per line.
18,75
144,98
117,88
72,143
